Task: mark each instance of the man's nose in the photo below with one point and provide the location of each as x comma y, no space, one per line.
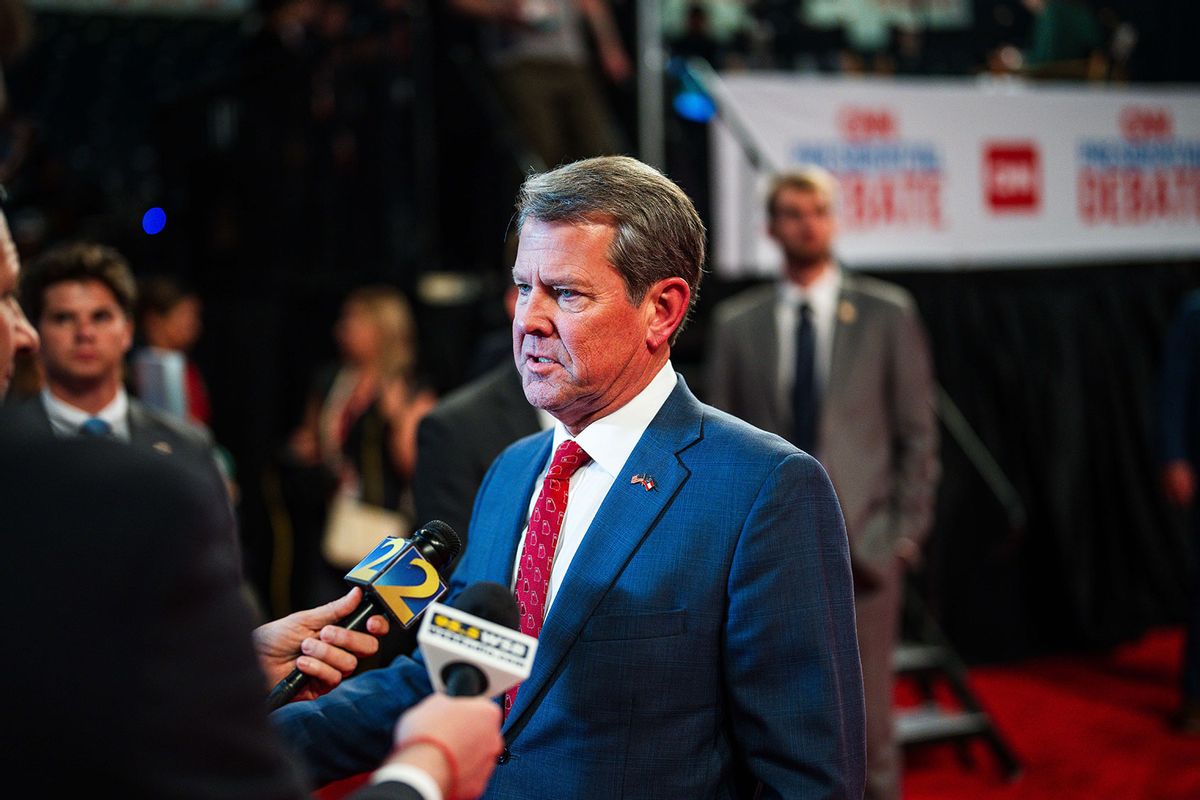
26,335
85,329
532,314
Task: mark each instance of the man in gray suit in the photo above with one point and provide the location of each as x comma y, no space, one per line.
839,364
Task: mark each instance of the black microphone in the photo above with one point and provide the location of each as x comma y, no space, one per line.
472,647
399,577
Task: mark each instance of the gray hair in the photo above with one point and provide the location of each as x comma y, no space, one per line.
658,232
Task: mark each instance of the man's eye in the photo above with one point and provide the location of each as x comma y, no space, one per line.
566,294
522,289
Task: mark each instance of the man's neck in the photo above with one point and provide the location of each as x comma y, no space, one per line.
575,425
805,274
90,397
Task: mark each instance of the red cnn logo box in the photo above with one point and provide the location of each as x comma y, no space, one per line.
1012,178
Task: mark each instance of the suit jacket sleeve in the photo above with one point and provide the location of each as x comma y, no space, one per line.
349,730
914,416
388,790
1177,390
791,655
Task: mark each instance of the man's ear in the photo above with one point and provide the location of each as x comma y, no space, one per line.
666,306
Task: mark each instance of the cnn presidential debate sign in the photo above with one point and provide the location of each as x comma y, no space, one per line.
959,174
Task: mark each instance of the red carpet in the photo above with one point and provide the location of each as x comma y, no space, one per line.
1084,726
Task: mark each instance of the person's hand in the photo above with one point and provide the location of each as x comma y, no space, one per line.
468,727
1179,482
311,641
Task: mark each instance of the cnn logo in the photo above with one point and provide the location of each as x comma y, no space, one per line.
1140,124
1012,178
863,124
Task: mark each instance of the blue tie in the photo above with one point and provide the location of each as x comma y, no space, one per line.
804,390
95,427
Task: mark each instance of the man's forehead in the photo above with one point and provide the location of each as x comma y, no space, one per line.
801,194
580,248
72,288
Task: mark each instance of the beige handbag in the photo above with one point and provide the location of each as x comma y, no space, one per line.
353,528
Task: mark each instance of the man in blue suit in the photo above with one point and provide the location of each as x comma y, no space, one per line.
687,574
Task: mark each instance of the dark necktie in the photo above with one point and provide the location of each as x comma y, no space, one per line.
541,540
804,390
95,427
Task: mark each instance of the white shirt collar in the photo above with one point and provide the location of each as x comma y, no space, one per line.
822,295
66,419
609,440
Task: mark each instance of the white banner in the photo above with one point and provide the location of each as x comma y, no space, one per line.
959,174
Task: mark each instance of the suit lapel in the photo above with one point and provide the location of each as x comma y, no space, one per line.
846,341
765,340
497,563
626,516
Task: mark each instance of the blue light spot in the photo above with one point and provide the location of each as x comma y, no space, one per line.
154,220
694,106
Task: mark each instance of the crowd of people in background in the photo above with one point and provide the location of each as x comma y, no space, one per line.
322,88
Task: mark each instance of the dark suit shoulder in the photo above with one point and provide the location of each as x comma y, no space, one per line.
142,415
880,291
746,305
25,414
500,385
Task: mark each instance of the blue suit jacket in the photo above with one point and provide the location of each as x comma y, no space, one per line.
702,640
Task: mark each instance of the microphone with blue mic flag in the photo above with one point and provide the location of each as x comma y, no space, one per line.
399,577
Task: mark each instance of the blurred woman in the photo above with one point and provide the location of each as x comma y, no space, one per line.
361,421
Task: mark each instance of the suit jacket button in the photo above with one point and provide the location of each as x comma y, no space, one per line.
503,757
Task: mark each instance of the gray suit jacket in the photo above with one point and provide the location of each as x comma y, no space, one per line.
877,435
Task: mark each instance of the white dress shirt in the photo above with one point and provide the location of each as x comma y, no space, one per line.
822,298
609,441
66,419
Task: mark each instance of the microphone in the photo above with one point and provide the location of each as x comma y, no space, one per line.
473,648
399,577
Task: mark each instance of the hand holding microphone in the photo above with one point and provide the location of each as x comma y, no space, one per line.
398,577
326,652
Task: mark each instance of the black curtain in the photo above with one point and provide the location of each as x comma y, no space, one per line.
1056,370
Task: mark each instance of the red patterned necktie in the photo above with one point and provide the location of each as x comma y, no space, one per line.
541,539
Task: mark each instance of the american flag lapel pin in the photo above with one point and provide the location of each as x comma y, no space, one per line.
645,480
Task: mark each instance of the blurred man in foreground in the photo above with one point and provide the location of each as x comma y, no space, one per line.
136,669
